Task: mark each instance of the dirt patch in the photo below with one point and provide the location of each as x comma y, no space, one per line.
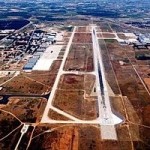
82,38
26,109
73,102
108,35
56,116
10,142
66,137
83,29
71,81
7,123
24,86
80,58
147,82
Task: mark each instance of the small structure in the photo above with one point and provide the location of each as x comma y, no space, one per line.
144,39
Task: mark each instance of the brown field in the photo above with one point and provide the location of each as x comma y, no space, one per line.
118,107
84,137
24,86
82,38
124,53
130,132
7,123
99,35
31,83
80,58
46,78
27,109
83,29
4,79
106,35
73,102
73,96
136,100
65,137
70,96
9,142
143,71
147,82
77,82
56,116
89,81
71,81
110,75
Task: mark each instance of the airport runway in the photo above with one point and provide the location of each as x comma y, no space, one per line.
107,123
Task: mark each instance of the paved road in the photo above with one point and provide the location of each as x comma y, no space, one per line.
45,118
15,75
105,113
23,131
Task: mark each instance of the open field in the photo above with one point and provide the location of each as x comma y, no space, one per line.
106,35
9,142
118,107
135,104
24,86
31,83
80,58
144,73
126,52
77,137
46,77
110,76
147,82
4,79
128,80
71,81
56,116
77,82
81,137
65,137
73,96
74,103
83,29
9,122
27,109
6,75
82,38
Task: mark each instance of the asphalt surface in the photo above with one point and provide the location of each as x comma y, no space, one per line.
105,114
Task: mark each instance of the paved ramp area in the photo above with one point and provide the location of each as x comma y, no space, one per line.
108,132
46,60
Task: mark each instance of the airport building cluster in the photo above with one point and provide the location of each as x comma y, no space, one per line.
17,46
